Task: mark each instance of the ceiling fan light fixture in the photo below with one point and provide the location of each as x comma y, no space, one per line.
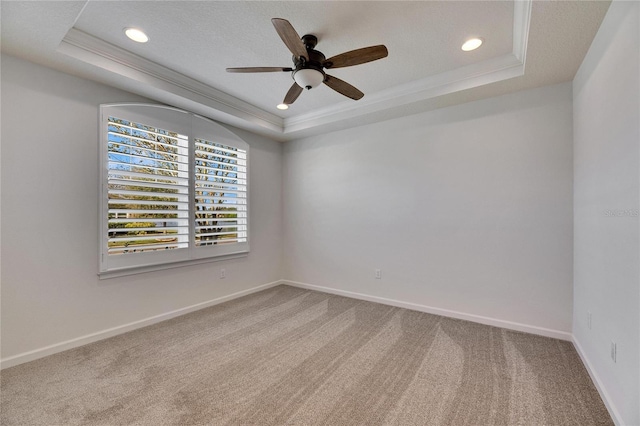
136,35
310,64
471,44
308,78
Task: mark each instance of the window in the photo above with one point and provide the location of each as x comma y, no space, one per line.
173,188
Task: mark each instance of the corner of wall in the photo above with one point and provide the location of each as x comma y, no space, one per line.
606,98
608,402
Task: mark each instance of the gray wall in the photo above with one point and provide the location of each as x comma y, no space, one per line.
50,289
467,209
606,201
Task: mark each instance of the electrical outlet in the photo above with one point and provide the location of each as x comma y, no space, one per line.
614,351
378,274
223,273
589,320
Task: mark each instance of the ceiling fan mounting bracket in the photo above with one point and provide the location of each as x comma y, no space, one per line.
309,40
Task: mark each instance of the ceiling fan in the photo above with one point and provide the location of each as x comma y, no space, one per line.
309,64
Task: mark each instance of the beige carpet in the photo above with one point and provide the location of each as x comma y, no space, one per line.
287,356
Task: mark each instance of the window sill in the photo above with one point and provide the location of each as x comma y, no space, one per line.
151,268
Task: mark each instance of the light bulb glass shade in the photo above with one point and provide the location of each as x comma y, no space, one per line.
282,106
308,78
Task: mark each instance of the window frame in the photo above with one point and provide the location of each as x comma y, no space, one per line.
194,127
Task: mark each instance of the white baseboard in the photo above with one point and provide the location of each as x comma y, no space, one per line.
556,334
613,412
114,331
104,334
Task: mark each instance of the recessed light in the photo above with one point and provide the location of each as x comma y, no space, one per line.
471,44
136,35
282,106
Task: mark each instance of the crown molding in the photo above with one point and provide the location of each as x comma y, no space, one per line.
521,22
474,75
463,78
150,79
97,52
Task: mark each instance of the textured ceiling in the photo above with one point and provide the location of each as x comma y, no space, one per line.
200,39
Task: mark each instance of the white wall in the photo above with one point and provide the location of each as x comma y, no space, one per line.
606,94
50,289
466,209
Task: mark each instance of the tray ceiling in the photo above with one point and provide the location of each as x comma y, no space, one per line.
527,44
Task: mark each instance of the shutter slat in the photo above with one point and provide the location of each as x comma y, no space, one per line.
206,145
145,203
212,234
114,171
199,191
113,154
145,184
217,226
213,162
140,248
179,222
166,213
215,170
119,174
205,222
231,200
157,238
145,149
209,154
228,187
113,123
122,138
125,192
157,231
220,241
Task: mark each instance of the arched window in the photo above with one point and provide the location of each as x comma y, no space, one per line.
173,189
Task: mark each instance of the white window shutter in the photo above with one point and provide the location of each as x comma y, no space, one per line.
220,194
148,188
168,196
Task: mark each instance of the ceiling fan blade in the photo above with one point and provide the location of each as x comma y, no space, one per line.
343,87
259,69
292,94
290,37
357,57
